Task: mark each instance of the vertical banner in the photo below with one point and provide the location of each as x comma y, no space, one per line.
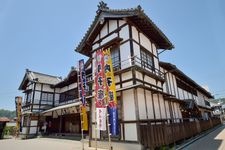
84,118
99,91
101,118
82,92
111,93
83,84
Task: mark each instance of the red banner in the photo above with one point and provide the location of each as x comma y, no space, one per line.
100,91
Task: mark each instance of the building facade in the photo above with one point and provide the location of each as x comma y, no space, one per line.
148,91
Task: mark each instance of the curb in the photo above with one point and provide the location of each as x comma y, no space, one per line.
192,140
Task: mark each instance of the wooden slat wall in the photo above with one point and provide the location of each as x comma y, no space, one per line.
157,135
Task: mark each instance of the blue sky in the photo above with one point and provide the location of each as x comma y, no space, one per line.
41,35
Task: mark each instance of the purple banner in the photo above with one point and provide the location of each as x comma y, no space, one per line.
82,84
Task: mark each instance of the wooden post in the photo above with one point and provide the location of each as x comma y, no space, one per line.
81,114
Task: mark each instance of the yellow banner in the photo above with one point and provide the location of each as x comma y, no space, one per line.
110,80
84,118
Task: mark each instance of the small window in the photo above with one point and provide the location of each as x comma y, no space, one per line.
146,60
115,57
46,98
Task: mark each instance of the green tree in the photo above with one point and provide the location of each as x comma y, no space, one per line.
7,113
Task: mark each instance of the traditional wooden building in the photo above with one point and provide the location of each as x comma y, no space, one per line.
134,41
39,96
65,116
149,92
195,99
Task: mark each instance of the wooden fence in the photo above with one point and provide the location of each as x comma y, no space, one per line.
156,135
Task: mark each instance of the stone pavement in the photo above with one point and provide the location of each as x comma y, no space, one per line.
215,140
42,144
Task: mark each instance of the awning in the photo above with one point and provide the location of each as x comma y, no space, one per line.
62,107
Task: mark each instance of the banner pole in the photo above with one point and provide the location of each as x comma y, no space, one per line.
81,115
94,76
108,128
107,114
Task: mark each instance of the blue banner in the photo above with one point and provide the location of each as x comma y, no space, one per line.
113,119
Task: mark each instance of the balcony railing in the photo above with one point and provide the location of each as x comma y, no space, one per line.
138,62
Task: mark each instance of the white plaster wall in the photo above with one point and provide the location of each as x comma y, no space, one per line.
95,46
135,34
190,95
185,95
168,83
156,62
72,86
200,98
154,50
130,132
121,22
145,42
57,90
37,97
33,130
150,80
124,33
38,86
125,55
141,104
149,104
167,109
181,95
175,110
175,85
179,112
112,36
171,84
35,107
139,75
104,31
126,75
156,105
162,105
137,53
63,89
24,130
112,25
33,123
47,88
96,39
128,105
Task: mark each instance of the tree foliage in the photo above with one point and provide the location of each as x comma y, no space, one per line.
7,113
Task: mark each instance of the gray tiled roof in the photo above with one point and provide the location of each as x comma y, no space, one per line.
39,78
136,15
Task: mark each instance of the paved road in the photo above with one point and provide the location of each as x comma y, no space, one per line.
213,141
41,144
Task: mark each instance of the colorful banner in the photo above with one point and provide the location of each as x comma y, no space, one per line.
83,83
82,92
84,118
101,118
111,93
100,91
